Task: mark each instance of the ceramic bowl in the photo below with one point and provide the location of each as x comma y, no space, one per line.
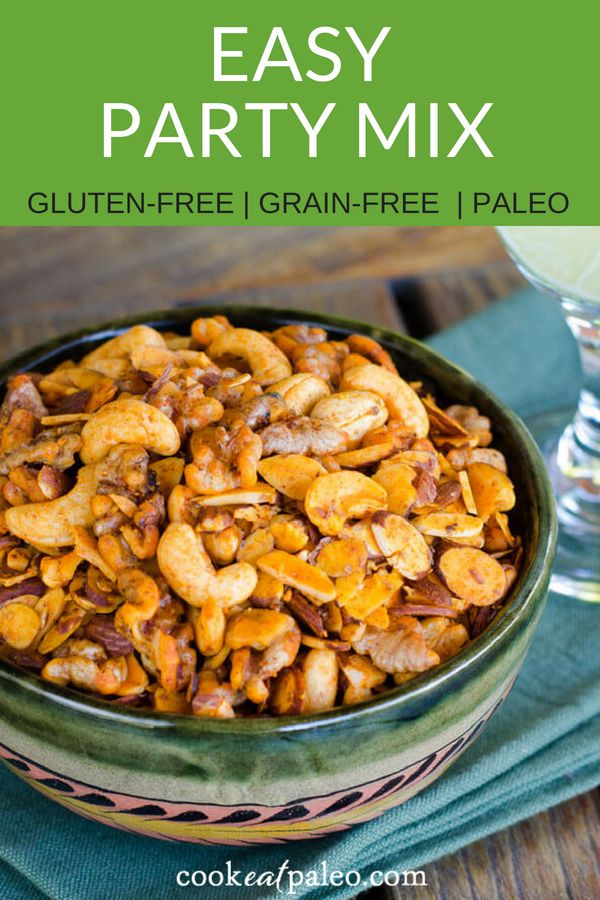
274,780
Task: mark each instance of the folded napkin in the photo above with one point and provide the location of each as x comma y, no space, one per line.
540,748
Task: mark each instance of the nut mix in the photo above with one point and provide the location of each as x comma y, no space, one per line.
236,523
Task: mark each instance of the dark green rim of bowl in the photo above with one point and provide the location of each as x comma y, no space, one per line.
525,593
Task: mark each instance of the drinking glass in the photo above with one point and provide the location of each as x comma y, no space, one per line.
570,438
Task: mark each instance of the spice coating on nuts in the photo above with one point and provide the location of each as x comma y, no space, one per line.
235,523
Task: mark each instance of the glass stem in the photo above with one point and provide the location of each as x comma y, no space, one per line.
579,450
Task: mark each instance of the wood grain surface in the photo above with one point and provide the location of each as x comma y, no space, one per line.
416,280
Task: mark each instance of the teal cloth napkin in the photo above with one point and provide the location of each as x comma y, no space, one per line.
542,747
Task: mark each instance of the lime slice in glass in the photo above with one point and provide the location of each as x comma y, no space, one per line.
565,259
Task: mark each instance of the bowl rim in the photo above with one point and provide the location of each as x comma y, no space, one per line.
526,592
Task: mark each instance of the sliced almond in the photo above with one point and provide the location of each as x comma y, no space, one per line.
65,418
62,630
127,506
380,618
309,640
19,625
441,422
404,546
449,442
257,628
363,532
365,456
375,591
292,474
309,580
492,489
343,557
477,541
467,493
448,525
239,497
256,544
472,575
498,537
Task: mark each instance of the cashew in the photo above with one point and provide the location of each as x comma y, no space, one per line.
57,571
123,345
462,457
205,331
209,628
361,675
301,391
50,524
401,400
493,491
354,412
371,350
338,496
142,599
188,570
128,422
223,546
397,478
267,362
104,676
155,360
87,548
320,669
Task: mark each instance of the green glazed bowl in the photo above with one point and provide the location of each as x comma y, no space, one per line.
245,781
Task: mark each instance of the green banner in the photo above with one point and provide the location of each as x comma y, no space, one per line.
189,113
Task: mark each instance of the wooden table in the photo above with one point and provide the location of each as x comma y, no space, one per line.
415,280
